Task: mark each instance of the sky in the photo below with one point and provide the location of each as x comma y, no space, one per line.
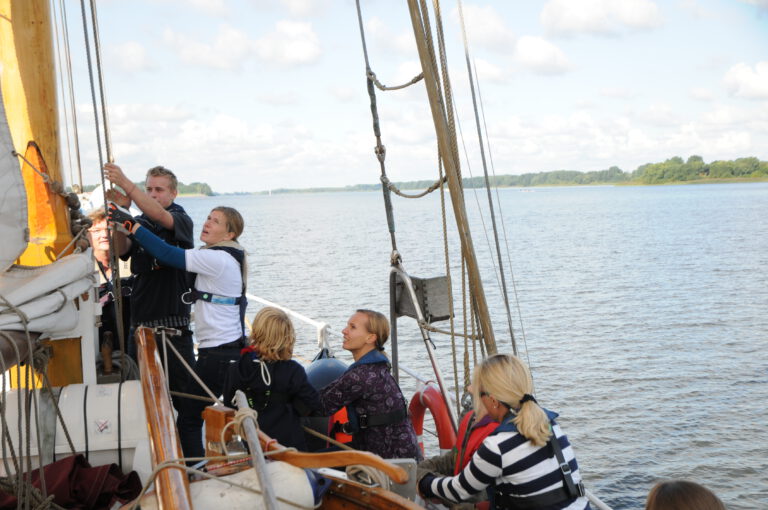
253,95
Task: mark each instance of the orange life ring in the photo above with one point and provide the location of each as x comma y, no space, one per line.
431,398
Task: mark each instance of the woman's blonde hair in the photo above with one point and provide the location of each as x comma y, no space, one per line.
272,334
378,325
507,379
682,495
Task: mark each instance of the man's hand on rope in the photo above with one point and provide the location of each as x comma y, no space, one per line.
121,218
113,195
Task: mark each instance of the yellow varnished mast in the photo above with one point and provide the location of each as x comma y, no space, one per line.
29,95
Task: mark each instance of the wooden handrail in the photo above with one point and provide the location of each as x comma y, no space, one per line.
171,485
332,459
216,417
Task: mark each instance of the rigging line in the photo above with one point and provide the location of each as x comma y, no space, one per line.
447,89
112,252
380,150
68,55
57,43
479,207
487,181
102,87
503,226
452,312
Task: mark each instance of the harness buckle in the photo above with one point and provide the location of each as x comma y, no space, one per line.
565,468
581,490
183,298
362,421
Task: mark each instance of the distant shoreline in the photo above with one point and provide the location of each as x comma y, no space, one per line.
405,187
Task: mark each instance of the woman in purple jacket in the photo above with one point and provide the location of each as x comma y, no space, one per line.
378,415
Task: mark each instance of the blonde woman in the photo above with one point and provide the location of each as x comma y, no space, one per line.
519,464
275,385
378,416
219,299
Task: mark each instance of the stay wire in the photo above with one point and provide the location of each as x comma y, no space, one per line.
115,269
503,226
487,180
380,150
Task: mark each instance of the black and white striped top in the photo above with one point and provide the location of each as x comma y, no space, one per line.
513,465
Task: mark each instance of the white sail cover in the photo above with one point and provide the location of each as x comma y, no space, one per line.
13,198
44,295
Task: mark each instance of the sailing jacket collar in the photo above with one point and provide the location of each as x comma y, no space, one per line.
374,356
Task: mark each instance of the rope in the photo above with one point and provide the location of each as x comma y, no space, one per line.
391,186
184,363
372,76
368,475
112,250
434,329
55,186
179,464
35,496
326,438
100,74
449,278
379,150
504,231
487,181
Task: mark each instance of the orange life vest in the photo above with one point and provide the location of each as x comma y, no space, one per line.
467,444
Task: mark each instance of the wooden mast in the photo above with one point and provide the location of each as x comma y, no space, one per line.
29,96
451,164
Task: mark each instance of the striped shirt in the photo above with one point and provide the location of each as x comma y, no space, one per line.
513,465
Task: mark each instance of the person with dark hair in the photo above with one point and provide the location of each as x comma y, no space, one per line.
219,299
378,415
527,462
275,385
157,288
682,495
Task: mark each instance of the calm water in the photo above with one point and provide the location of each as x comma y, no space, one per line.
644,311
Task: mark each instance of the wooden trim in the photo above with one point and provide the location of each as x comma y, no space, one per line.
171,485
332,459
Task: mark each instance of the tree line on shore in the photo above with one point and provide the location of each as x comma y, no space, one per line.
194,188
673,170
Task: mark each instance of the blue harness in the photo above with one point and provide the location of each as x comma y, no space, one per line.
241,301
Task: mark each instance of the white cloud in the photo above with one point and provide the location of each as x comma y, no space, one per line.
131,57
283,97
606,17
345,94
541,56
488,72
212,7
304,8
744,81
486,28
378,31
229,50
702,94
760,3
617,93
290,43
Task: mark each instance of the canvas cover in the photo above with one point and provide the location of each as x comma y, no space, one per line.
13,198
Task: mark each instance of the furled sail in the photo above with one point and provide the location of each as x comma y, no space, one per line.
13,198
44,296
